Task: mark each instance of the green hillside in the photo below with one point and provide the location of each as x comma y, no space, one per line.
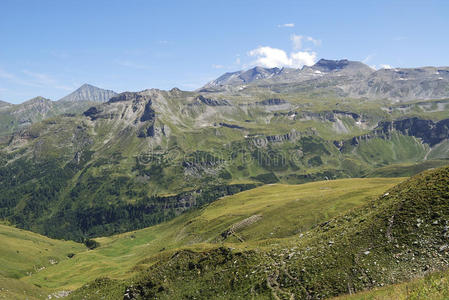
431,286
389,240
284,210
24,254
144,158
313,240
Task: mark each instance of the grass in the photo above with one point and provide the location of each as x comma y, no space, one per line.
286,210
400,235
23,253
187,249
432,286
406,169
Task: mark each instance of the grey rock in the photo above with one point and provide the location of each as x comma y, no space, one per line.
89,92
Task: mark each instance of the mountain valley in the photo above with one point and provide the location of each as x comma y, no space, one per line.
267,183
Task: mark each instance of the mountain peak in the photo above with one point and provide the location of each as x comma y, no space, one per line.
328,65
88,92
244,77
37,99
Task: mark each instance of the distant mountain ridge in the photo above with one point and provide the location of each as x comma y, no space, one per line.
4,103
16,116
89,92
342,78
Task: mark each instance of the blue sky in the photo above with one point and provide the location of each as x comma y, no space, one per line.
50,48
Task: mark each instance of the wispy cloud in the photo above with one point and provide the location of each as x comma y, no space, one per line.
131,64
368,58
313,41
6,75
60,54
297,41
34,79
286,25
44,80
218,66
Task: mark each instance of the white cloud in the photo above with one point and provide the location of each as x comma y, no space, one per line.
381,66
272,57
313,41
217,66
288,25
297,41
385,66
301,58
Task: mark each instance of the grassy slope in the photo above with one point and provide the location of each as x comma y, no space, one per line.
399,235
432,286
285,210
23,253
406,169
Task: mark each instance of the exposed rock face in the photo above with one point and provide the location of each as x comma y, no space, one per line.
212,102
133,109
29,111
89,92
91,113
126,96
428,131
233,126
272,102
148,117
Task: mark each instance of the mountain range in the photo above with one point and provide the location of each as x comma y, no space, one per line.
185,188
16,116
342,78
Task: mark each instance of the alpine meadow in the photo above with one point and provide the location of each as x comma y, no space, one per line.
269,173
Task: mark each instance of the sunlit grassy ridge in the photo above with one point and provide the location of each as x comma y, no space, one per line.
432,286
314,240
285,210
24,253
400,235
